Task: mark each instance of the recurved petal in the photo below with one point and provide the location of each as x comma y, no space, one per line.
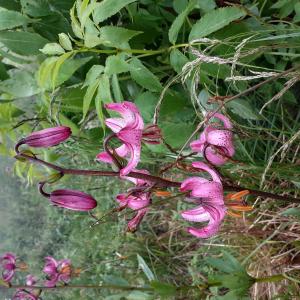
105,157
7,275
134,202
129,113
197,214
135,152
225,120
136,220
192,183
205,232
215,156
52,281
205,167
115,124
137,181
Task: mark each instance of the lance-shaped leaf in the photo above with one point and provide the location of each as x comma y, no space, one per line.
215,20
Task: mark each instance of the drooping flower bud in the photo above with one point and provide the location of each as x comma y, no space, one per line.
47,137
73,199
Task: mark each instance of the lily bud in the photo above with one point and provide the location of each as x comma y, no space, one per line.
47,137
73,199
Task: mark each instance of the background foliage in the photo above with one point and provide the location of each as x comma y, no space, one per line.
61,61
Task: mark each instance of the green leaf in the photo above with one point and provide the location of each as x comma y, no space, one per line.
108,8
177,140
91,90
145,268
243,109
115,64
21,42
11,19
52,49
180,5
215,20
70,99
103,96
177,60
91,36
116,88
146,103
67,122
113,36
207,5
165,290
93,74
51,25
65,41
178,22
297,12
143,76
104,89
293,211
66,70
21,84
75,24
35,8
58,65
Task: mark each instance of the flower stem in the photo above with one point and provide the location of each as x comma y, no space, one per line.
62,287
158,181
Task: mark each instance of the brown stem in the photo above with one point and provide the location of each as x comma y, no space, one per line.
103,286
158,181
258,193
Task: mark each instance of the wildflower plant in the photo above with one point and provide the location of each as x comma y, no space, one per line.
180,102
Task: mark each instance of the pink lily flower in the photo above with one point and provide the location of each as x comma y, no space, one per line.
73,199
28,294
25,295
47,137
216,144
130,131
209,197
136,199
8,264
57,271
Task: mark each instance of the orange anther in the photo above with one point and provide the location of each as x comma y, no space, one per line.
241,207
162,193
233,214
237,196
